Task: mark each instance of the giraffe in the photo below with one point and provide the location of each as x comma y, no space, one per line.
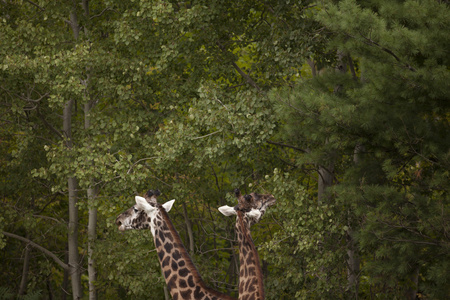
182,277
249,211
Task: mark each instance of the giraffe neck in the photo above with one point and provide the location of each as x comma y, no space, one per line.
180,273
250,273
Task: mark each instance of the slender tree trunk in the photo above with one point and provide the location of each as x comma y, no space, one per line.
326,172
189,229
325,180
312,65
65,283
166,293
411,293
325,175
92,206
92,236
49,289
352,264
74,260
353,261
92,222
91,191
25,270
74,269
26,262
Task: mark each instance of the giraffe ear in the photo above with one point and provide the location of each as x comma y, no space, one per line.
142,204
227,210
168,205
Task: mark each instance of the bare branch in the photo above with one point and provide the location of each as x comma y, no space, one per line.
53,129
239,70
246,76
101,13
32,3
288,146
407,241
33,244
142,159
203,136
48,218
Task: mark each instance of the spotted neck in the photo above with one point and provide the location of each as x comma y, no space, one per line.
180,273
250,273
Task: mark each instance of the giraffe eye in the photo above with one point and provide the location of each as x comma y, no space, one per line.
135,209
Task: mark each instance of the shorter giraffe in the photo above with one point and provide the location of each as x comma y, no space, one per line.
180,273
249,211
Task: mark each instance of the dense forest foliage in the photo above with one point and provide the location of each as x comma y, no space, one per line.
339,108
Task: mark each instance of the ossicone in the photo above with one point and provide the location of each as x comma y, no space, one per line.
151,193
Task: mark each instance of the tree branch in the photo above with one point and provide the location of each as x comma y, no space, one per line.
209,134
239,70
32,3
246,76
288,146
33,244
406,241
101,13
390,52
53,129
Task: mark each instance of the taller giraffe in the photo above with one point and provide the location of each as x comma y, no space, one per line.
249,211
180,273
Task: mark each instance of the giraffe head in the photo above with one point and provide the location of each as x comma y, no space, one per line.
249,211
253,206
143,214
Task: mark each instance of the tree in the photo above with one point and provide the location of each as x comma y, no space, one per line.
395,115
50,70
198,98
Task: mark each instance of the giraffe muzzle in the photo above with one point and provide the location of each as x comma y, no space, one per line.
120,226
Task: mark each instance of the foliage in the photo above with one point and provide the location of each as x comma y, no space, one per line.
198,98
6,294
307,253
385,132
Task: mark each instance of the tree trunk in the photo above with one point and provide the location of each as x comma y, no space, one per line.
189,229
49,289
352,265
326,172
74,261
353,260
411,293
65,283
91,191
91,195
26,262
25,269
166,293
325,180
92,235
92,222
325,177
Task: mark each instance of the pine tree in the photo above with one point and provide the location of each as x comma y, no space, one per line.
386,131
